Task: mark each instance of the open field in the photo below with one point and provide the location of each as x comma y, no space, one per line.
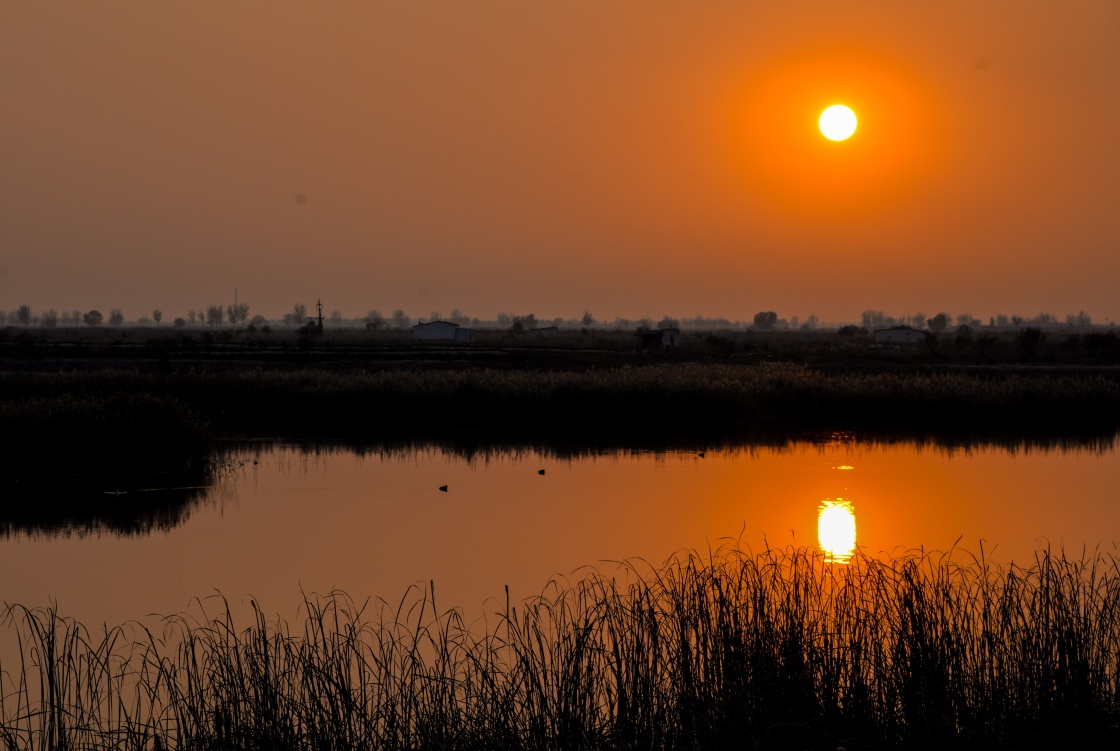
727,650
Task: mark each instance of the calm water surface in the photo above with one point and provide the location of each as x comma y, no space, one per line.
286,522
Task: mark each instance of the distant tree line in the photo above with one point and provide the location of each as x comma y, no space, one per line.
238,314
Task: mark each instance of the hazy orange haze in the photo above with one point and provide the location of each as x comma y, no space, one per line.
626,158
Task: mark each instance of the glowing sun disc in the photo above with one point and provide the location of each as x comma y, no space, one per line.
836,530
837,122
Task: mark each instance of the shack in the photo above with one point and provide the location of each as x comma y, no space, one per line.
653,340
442,331
898,335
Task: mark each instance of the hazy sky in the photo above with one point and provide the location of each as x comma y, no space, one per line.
622,157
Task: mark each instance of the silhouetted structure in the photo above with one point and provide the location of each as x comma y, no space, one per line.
652,340
442,330
898,335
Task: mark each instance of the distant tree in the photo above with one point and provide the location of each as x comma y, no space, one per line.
192,315
765,320
3,315
1079,319
668,322
336,318
400,320
143,320
157,316
435,315
23,314
505,320
811,322
966,319
214,315
918,320
237,312
258,321
1043,319
374,320
1016,321
93,318
49,318
116,317
938,323
850,330
588,320
521,324
179,323
1002,320
871,319
457,316
297,315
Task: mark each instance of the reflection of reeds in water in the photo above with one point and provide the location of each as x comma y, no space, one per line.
772,650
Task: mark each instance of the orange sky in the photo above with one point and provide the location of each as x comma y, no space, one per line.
626,158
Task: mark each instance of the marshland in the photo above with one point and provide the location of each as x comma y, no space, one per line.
111,390
159,445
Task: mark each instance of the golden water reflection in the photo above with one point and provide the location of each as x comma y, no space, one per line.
374,525
836,530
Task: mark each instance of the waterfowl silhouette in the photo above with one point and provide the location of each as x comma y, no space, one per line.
540,471
443,488
701,454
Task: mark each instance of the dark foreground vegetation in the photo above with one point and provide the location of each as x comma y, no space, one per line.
733,650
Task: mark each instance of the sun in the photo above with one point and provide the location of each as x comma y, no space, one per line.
837,122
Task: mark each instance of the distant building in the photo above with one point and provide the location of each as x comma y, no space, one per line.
650,340
442,331
898,335
545,331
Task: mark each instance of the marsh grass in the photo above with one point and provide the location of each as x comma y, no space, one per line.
729,649
653,406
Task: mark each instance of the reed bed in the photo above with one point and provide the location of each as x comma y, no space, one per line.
653,406
728,649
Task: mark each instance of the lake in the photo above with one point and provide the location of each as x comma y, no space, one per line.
281,520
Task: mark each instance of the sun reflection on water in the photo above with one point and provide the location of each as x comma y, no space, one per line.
836,530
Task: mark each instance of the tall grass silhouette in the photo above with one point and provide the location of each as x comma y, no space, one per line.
662,405
725,649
